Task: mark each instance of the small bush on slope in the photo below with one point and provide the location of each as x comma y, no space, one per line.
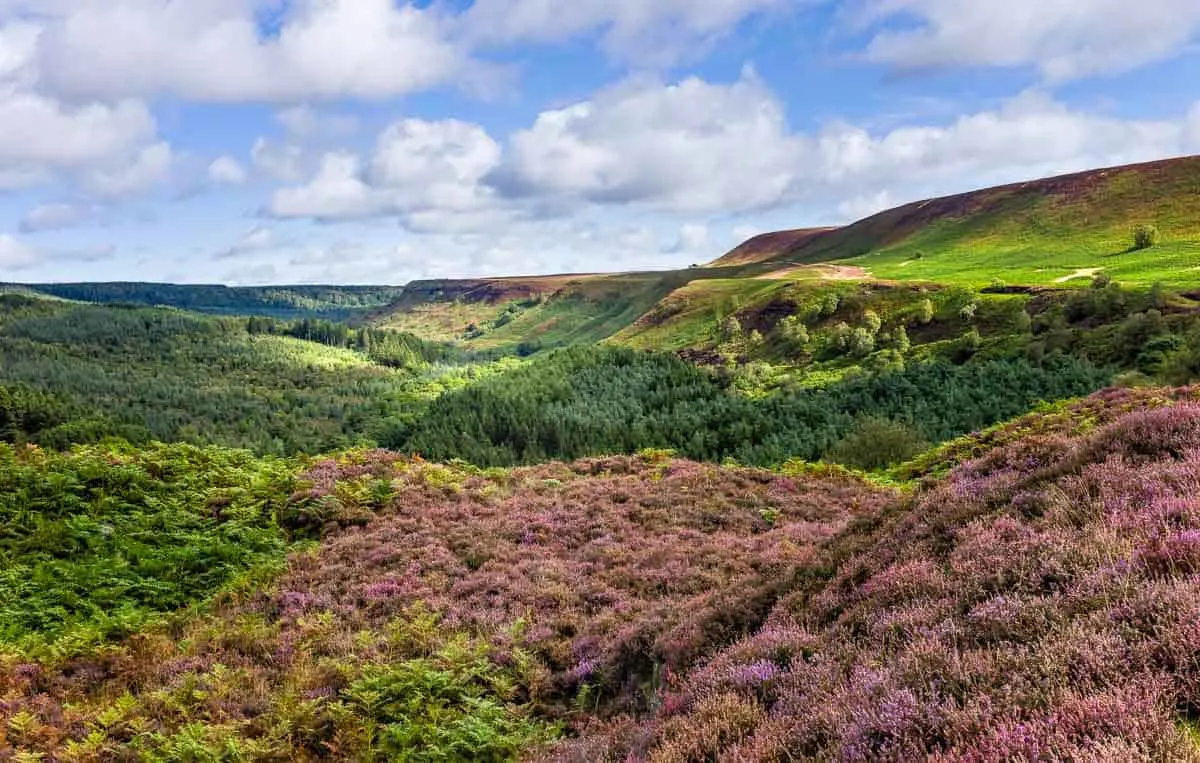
512,599
1040,603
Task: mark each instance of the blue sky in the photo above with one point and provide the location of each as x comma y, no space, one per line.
375,141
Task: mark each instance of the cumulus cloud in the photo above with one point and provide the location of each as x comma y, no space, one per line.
337,192
699,148
113,143
1029,136
150,166
693,146
693,237
279,161
16,255
225,170
57,216
1064,39
218,51
429,174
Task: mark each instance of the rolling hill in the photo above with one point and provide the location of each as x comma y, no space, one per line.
1051,234
1037,232
768,511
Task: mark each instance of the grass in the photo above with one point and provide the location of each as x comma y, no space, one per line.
1036,233
690,316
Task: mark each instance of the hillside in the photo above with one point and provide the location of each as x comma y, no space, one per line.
330,302
1037,232
769,246
1056,234
1038,602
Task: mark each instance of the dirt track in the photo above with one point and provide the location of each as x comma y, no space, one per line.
825,272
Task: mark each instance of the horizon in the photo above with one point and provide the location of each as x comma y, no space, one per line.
481,138
711,263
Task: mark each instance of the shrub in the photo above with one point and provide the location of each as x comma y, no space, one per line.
876,443
1145,237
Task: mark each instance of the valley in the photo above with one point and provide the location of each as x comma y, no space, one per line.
919,487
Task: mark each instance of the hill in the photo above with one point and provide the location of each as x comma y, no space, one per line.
1041,232
1037,602
769,246
329,302
1052,235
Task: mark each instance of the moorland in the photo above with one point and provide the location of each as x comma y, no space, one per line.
920,487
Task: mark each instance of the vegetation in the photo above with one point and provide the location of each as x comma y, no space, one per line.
79,374
958,553
97,541
1144,237
586,401
329,302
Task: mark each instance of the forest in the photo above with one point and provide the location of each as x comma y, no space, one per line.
82,373
329,302
587,401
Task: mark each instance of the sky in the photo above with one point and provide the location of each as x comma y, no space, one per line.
378,141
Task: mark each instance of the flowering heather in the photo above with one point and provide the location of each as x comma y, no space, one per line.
542,594
1041,602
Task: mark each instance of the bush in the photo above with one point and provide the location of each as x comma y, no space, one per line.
1145,237
877,443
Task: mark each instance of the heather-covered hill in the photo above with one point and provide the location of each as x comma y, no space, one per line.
448,613
767,247
1039,603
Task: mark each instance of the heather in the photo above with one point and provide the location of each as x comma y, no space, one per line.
1038,603
448,613
1031,597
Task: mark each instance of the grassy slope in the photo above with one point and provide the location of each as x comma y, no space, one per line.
769,246
1053,233
1034,233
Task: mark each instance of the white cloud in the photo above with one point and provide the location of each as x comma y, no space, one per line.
225,170
280,161
689,147
257,239
1064,39
56,216
337,192
429,174
633,30
693,238
215,51
44,138
1029,136
39,131
151,166
15,255
697,149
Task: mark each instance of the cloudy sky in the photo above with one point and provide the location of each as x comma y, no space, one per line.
378,141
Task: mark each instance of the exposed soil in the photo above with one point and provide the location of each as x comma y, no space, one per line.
826,272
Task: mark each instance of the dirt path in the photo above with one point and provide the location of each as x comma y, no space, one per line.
826,272
1081,273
